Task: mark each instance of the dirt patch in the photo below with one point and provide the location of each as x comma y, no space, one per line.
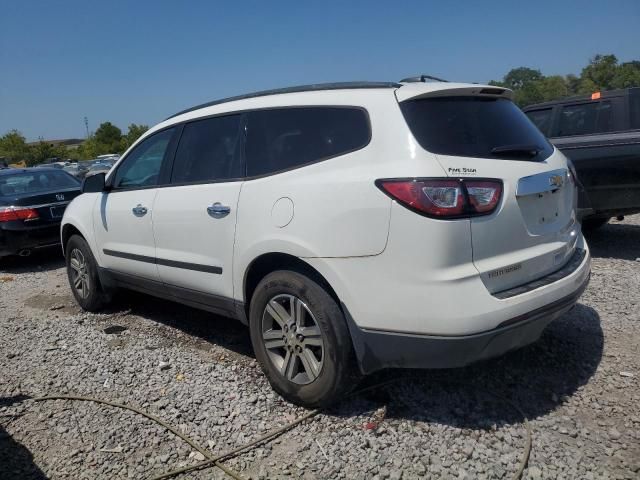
57,303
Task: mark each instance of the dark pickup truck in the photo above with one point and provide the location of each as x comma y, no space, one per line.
600,134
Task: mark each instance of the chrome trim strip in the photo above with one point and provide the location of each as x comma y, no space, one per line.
542,182
54,204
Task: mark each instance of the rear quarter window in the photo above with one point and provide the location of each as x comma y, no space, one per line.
585,119
469,126
541,119
634,108
285,138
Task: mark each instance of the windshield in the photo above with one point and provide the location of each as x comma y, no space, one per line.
37,181
475,127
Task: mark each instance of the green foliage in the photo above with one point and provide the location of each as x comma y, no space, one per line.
134,133
41,151
13,146
521,77
603,73
628,75
107,137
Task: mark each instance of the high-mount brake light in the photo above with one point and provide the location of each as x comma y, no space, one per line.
10,214
444,197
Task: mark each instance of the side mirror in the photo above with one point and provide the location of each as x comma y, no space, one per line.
93,183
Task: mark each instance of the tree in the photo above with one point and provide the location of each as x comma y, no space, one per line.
135,132
573,84
599,74
602,73
553,87
13,146
627,75
521,77
108,137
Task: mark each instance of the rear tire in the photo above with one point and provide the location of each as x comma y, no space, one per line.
82,272
593,224
301,339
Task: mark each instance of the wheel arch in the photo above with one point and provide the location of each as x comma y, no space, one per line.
68,230
266,263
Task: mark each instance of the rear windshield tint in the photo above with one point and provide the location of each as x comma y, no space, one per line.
36,181
475,127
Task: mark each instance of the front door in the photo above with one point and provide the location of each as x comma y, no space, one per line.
123,216
194,217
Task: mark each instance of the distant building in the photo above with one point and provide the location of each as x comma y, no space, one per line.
70,143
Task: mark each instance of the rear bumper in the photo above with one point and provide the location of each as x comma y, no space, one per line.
379,349
13,241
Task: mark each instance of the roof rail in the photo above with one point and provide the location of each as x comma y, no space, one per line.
301,88
422,78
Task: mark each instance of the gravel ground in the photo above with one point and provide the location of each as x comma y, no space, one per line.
578,386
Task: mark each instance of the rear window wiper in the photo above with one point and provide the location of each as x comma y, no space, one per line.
529,150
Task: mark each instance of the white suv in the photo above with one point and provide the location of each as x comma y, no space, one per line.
351,226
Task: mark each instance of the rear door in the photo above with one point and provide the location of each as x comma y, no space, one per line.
123,217
195,216
533,231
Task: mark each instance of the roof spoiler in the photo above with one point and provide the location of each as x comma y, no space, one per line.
435,89
422,78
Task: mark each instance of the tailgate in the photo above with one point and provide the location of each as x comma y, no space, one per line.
478,133
534,232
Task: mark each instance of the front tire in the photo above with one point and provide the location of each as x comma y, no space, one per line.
301,340
82,272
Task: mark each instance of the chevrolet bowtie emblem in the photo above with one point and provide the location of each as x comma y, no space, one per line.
556,181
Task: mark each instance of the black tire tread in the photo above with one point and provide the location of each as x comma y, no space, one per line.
98,297
338,375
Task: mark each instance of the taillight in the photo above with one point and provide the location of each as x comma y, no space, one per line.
9,214
443,197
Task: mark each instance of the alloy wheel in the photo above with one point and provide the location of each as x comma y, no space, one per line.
79,272
293,339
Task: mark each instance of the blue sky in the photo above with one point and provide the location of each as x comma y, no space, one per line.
141,61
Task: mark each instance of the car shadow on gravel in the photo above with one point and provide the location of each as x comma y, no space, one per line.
16,461
42,260
529,382
205,329
615,240
536,379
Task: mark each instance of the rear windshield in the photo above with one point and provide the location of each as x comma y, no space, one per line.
36,181
475,127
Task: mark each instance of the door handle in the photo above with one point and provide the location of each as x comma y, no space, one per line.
217,210
139,211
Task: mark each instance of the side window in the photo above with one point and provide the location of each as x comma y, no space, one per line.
541,119
208,151
284,138
142,166
634,106
586,118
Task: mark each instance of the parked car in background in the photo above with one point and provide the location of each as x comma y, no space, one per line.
100,166
343,223
50,165
32,203
600,134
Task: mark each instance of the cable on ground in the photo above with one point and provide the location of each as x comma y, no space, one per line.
217,459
